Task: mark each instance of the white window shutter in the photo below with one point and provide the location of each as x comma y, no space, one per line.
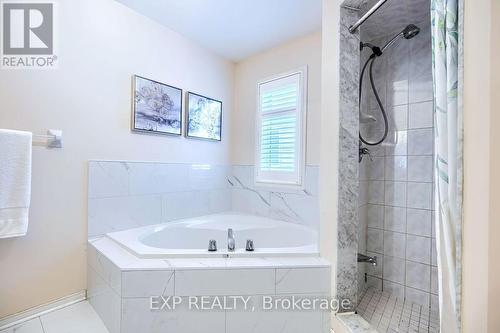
281,130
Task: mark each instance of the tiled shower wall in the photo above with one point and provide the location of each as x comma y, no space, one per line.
396,186
126,194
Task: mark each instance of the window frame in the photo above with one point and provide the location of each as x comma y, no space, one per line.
301,114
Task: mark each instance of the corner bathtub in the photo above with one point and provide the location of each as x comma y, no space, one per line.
189,237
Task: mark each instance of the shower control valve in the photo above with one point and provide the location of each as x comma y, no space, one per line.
364,151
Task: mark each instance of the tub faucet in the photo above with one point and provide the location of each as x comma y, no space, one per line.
367,259
230,240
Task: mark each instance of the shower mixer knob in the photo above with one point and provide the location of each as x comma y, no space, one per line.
365,151
212,245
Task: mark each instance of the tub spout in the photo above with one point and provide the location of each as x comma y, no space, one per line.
231,244
367,259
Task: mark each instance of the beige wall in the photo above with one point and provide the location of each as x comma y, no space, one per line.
102,43
283,58
494,232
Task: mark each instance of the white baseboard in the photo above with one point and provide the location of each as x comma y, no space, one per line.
39,310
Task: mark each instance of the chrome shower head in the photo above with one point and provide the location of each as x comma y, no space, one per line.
410,31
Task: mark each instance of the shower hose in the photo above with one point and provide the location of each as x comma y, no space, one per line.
370,61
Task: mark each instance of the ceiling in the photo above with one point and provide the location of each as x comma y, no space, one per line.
393,16
234,29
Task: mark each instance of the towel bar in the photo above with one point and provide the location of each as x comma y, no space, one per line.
53,139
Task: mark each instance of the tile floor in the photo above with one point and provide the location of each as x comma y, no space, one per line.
384,311
390,314
76,318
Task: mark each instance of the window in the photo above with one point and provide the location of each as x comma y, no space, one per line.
281,118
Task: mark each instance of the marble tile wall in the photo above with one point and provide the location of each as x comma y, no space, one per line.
300,207
123,195
121,294
347,237
393,16
396,186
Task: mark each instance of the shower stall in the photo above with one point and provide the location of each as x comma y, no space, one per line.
386,68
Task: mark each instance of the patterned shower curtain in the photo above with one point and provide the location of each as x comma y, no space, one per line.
447,72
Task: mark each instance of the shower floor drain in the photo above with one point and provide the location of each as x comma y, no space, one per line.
387,313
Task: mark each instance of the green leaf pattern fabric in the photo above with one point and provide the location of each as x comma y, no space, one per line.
447,63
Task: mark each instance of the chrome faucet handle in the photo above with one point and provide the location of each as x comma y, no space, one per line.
231,244
249,247
212,245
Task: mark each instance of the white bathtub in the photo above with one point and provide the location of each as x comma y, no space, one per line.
189,237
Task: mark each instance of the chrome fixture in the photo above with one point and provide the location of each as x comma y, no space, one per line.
369,13
231,244
364,151
408,32
249,246
367,259
212,245
53,139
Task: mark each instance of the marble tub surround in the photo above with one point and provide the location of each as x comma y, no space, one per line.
124,195
120,286
127,261
296,206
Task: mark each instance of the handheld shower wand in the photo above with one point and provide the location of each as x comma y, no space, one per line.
408,32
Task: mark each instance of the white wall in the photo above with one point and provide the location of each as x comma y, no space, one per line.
330,82
283,58
480,288
102,43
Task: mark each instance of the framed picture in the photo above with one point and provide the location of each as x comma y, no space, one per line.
157,107
204,117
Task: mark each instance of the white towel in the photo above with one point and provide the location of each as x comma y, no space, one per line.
15,182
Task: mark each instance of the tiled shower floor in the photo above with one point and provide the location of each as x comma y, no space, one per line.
387,313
